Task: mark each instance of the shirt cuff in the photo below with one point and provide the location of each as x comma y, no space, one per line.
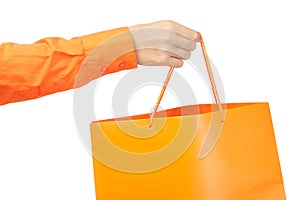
107,52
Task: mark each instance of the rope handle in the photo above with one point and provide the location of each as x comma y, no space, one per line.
211,79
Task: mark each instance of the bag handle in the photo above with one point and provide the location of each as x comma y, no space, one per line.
211,79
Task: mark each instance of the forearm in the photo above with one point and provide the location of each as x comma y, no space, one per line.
54,64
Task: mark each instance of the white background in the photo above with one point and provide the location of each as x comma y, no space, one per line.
254,44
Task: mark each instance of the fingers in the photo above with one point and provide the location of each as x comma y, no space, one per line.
163,43
184,43
169,60
181,30
158,57
175,62
175,44
166,40
161,39
179,53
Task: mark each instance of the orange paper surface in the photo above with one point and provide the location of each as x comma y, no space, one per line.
243,165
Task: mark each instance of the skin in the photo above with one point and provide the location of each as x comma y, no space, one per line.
163,43
52,64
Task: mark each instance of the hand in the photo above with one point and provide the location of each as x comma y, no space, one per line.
163,43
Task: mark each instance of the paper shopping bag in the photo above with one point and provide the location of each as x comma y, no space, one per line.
133,162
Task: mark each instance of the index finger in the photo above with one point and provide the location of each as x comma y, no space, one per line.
185,31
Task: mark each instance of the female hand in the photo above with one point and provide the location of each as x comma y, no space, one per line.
163,43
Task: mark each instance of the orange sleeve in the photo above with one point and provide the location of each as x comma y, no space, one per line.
50,65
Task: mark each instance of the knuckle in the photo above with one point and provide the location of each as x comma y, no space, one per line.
183,54
193,46
177,63
196,36
187,55
180,63
163,59
170,24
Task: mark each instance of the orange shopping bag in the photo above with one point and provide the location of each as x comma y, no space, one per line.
189,153
243,165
